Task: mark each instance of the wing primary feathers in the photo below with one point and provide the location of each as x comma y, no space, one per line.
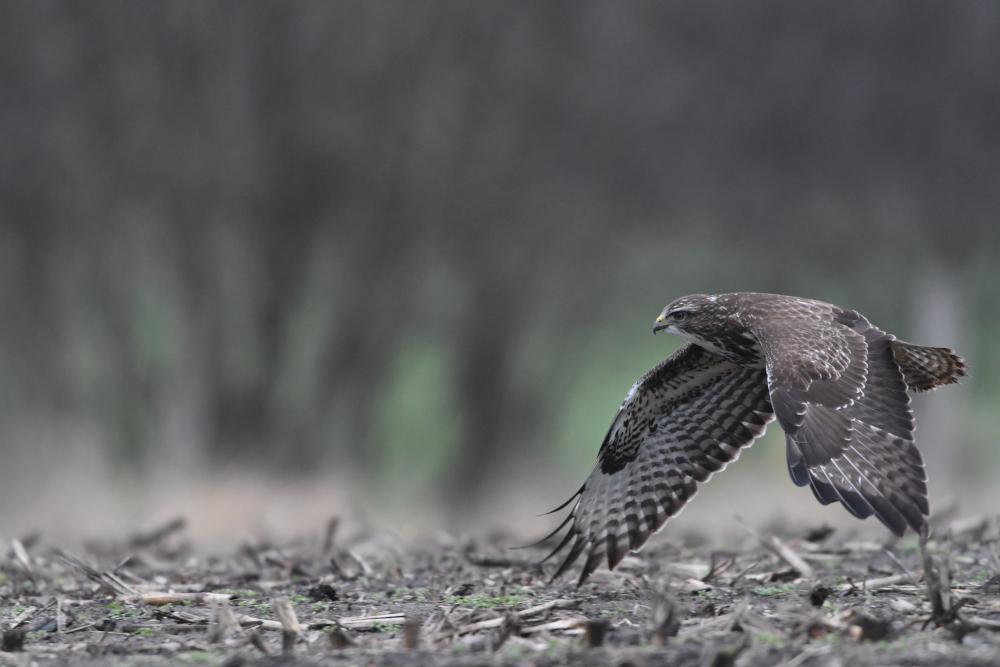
593,560
823,491
886,512
569,535
614,553
797,467
571,499
552,534
571,557
683,421
851,500
860,505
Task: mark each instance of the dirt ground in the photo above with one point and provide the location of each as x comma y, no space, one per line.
808,599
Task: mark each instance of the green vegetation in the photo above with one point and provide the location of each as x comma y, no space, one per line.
117,609
196,658
387,627
612,612
773,590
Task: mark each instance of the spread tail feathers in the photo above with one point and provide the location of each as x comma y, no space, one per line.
927,367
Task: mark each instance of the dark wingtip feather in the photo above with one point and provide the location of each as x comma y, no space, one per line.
571,499
615,554
897,530
915,513
593,560
569,517
797,467
824,492
569,535
889,514
854,502
571,557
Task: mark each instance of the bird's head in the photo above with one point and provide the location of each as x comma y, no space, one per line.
692,317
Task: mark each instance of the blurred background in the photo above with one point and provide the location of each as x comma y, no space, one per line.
264,262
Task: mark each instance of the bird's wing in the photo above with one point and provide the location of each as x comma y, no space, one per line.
839,394
682,421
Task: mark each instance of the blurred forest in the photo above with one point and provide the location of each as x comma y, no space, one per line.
422,244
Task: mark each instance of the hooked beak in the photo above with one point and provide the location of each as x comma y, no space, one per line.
660,324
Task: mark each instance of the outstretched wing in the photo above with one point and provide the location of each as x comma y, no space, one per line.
682,421
840,396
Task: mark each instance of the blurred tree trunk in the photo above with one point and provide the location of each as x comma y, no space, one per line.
484,364
185,409
940,320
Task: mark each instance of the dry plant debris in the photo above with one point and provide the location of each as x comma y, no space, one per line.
812,600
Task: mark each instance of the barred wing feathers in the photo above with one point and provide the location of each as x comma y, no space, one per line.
848,430
684,420
926,368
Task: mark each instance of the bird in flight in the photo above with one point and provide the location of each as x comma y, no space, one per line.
836,384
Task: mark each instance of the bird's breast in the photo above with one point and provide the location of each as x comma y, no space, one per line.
741,348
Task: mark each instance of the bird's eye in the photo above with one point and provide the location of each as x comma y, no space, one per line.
680,315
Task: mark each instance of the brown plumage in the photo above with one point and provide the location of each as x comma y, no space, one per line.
836,384
927,367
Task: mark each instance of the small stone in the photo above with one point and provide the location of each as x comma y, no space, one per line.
902,606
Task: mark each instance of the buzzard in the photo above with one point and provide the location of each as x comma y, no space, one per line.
836,384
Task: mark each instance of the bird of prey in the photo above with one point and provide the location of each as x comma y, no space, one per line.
836,384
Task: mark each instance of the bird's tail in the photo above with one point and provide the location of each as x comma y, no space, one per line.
928,367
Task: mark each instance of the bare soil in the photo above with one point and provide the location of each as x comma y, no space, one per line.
367,599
